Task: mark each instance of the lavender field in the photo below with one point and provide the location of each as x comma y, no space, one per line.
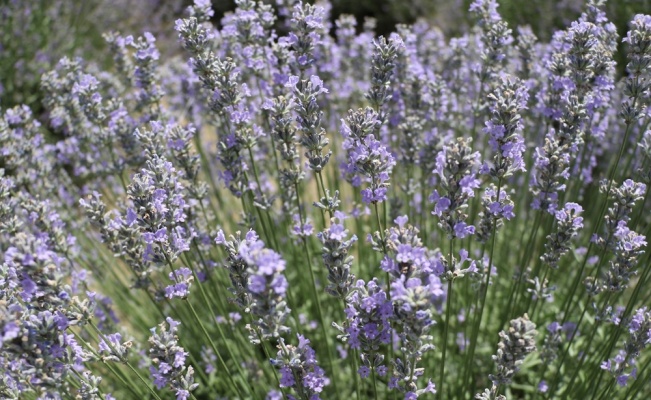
284,203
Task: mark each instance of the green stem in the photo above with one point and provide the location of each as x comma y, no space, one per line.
515,292
126,362
477,325
214,348
445,339
151,390
206,169
220,331
379,227
130,386
355,373
323,189
268,355
602,213
374,382
315,294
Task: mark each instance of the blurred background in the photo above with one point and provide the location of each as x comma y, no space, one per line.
35,34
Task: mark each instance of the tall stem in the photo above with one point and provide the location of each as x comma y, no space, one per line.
315,293
445,338
475,332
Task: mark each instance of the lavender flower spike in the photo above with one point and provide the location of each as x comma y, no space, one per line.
368,158
514,346
503,129
169,360
456,169
299,369
569,222
259,285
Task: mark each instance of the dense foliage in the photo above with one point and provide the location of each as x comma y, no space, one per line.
330,213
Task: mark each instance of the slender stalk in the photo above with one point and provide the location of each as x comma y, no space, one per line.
108,365
126,362
206,169
476,321
374,383
446,324
355,374
602,213
315,293
379,227
220,331
214,348
388,277
519,290
476,328
144,382
257,181
268,355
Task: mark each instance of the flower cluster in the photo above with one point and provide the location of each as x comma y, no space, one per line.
503,129
405,253
413,316
169,360
367,157
625,198
551,170
639,50
569,222
368,325
299,369
336,257
456,166
259,285
145,72
111,348
496,36
514,346
284,134
628,249
639,336
494,211
309,117
306,24
382,69
122,238
159,209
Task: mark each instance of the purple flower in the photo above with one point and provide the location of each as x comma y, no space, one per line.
259,283
456,169
367,157
506,101
10,331
169,360
543,387
461,230
569,222
181,289
286,377
364,371
300,362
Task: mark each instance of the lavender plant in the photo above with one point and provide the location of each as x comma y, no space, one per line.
304,209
